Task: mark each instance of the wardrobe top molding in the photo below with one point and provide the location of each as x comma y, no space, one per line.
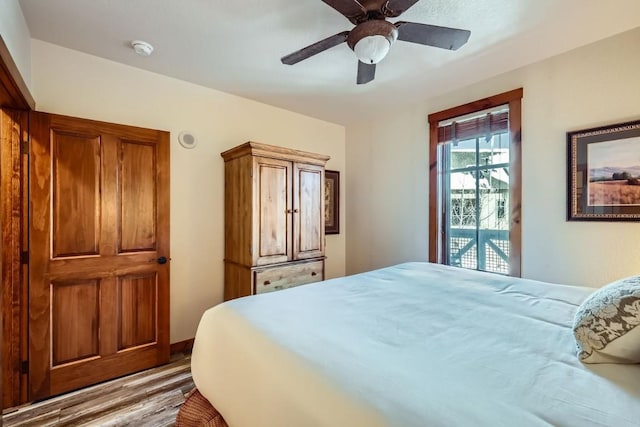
274,152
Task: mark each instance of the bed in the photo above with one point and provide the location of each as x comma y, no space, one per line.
415,344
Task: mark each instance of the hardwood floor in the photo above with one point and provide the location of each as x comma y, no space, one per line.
148,398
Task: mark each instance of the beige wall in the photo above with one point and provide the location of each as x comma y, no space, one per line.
15,34
76,84
388,191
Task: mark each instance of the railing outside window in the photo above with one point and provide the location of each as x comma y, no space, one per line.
486,250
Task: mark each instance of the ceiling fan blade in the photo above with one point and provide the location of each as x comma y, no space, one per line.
366,72
314,49
432,35
395,8
353,10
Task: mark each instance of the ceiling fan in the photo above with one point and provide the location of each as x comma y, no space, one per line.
373,35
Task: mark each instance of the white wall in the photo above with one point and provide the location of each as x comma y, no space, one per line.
387,159
76,84
15,34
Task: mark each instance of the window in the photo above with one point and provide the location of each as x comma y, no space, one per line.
475,185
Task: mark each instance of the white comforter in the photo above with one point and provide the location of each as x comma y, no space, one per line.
416,344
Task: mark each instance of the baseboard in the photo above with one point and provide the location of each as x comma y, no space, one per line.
182,346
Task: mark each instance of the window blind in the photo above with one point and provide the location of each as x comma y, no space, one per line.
485,125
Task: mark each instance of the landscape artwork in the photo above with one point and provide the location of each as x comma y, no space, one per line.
614,172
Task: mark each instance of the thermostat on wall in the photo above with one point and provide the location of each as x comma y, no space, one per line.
187,140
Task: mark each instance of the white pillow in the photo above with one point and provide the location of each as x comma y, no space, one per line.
607,324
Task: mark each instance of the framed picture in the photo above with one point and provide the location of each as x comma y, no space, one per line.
604,173
331,202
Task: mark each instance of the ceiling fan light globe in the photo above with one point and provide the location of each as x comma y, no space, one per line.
372,49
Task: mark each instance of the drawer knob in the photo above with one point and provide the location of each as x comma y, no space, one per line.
267,282
313,273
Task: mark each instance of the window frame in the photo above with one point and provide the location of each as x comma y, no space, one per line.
436,233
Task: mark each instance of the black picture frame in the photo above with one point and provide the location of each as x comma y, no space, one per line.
331,202
604,173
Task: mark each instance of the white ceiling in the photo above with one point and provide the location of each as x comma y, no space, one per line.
235,46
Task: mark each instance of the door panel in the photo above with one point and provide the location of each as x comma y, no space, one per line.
137,310
76,194
75,311
274,207
99,303
309,211
137,193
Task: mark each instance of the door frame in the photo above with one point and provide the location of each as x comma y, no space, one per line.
14,208
14,94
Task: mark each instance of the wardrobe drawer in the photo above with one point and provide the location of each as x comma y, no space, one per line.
287,276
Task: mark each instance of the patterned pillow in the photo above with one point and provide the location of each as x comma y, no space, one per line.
607,324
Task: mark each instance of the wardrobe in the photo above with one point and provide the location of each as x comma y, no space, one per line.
274,219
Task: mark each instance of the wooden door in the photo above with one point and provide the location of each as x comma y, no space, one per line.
308,208
272,205
99,299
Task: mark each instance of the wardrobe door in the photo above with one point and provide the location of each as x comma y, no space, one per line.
272,211
308,208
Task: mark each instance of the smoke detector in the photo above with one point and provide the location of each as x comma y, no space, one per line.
142,48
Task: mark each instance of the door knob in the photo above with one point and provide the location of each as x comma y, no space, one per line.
161,260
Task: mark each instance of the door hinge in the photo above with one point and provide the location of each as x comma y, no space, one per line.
24,147
251,172
24,257
24,367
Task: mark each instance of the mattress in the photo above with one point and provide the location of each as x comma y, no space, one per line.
415,344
